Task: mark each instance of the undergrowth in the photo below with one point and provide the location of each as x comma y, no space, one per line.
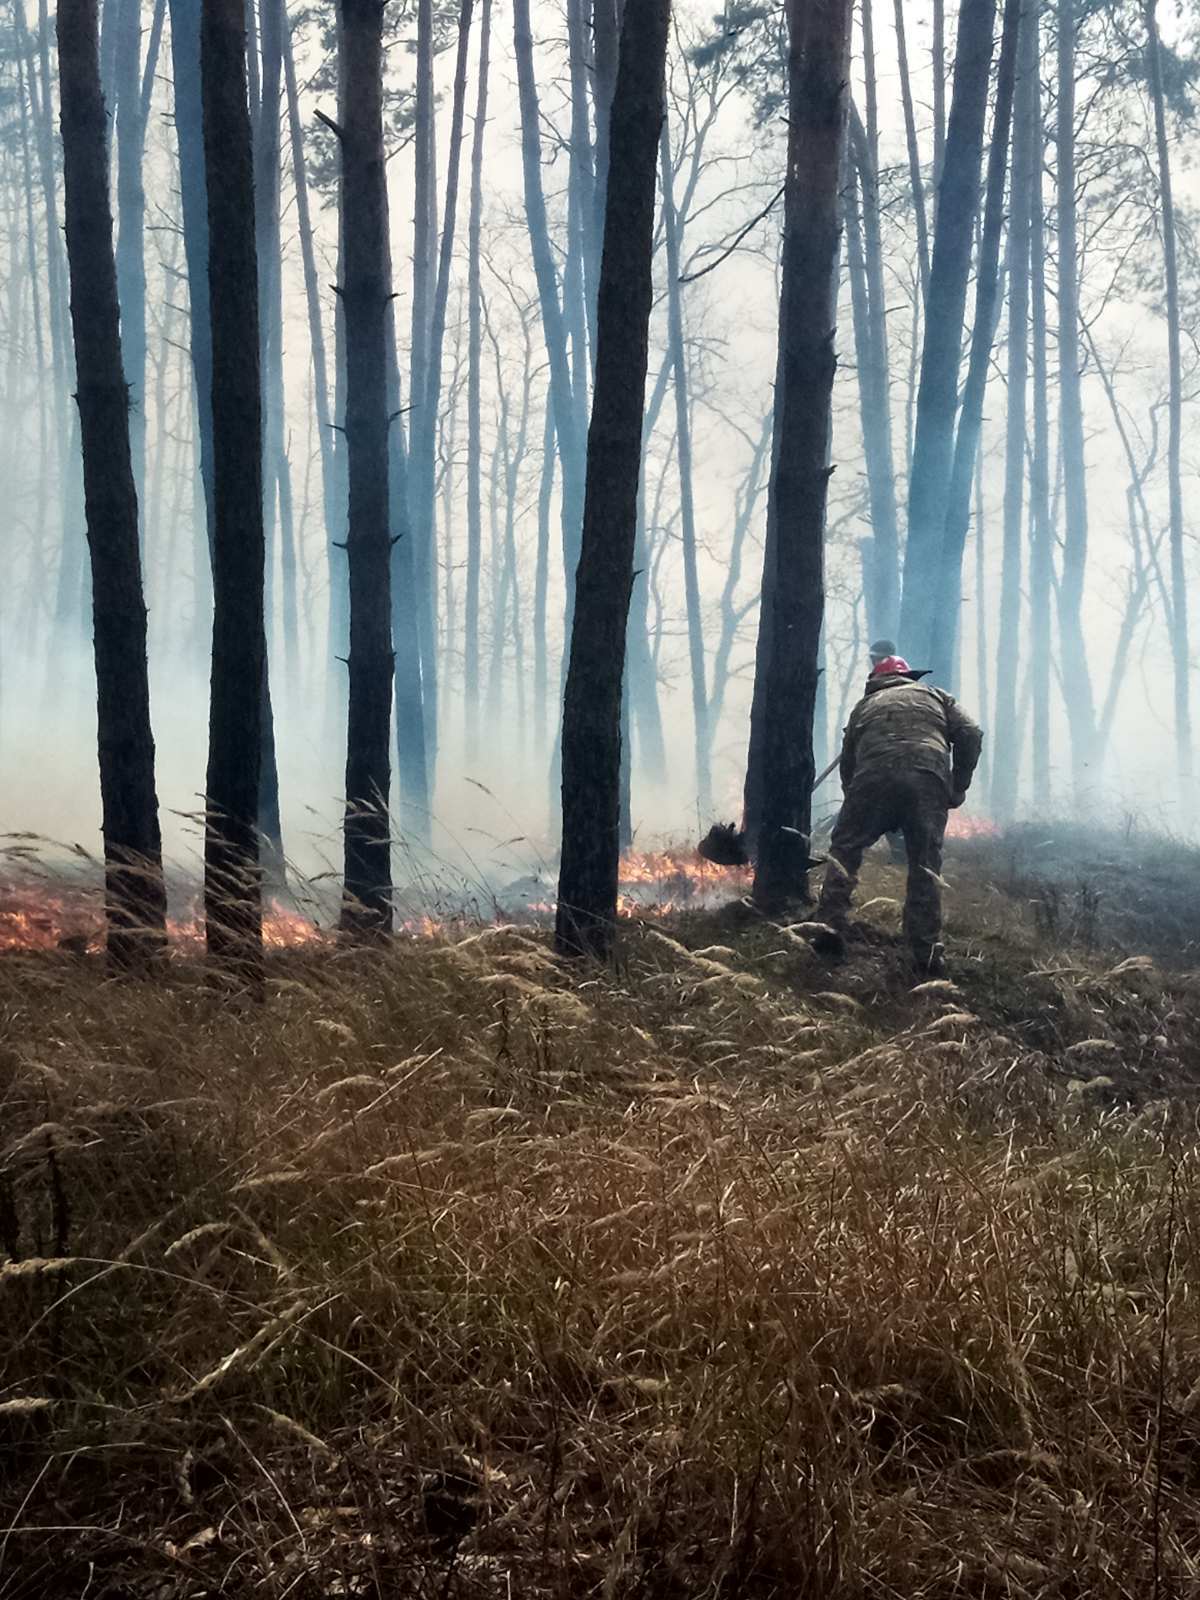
448,1272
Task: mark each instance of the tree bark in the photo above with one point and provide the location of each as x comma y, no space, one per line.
591,743
366,293
915,179
944,656
1041,553
131,238
474,429
869,311
134,893
1179,615
1007,737
312,291
189,132
232,882
570,444
702,732
937,396
423,291
818,73
1076,676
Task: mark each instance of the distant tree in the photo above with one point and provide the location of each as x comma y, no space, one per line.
232,883
474,369
365,295
944,659
591,741
945,304
1179,614
135,895
1076,673
794,565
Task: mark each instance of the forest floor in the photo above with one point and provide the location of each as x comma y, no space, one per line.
450,1273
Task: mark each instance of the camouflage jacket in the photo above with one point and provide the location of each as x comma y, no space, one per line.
901,725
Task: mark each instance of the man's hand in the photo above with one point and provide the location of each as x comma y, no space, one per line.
957,796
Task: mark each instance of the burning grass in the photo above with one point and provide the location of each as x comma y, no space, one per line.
450,1273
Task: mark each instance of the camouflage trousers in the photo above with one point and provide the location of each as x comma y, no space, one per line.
914,804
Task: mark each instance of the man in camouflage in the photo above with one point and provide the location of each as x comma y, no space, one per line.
908,757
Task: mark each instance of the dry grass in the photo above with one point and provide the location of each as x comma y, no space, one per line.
450,1274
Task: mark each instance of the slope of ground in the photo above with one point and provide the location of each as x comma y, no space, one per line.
449,1273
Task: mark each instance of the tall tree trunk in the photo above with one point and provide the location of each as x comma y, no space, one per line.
232,884
1041,553
937,397
412,743
939,96
1076,676
915,179
869,310
570,444
131,238
818,74
277,471
541,664
189,132
312,292
1007,741
366,293
423,460
606,32
423,292
944,658
591,742
474,432
135,894
702,734
1179,615
981,628
582,178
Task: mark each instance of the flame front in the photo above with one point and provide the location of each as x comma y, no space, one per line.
40,916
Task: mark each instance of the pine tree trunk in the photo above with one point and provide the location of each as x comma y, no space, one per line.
1041,554
1179,614
916,181
135,895
702,734
131,239
474,428
945,304
583,168
869,311
1006,760
232,883
366,293
312,292
571,452
818,74
541,581
591,742
189,132
944,657
1076,676
423,292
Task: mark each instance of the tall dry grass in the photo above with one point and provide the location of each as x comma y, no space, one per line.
448,1273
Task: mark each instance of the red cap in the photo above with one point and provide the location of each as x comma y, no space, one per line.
889,666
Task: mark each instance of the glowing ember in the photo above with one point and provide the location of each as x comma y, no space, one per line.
33,917
970,827
39,916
